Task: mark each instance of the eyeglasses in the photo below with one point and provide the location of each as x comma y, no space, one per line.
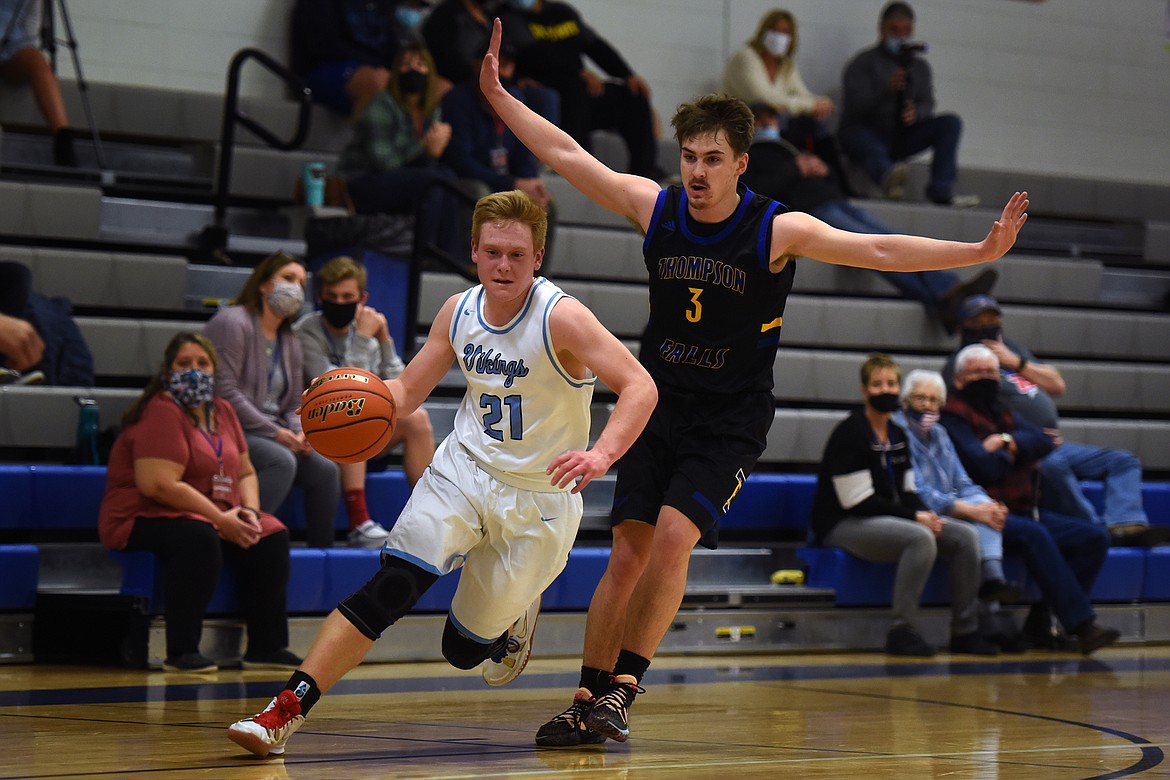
919,398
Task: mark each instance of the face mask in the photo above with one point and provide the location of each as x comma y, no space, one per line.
524,5
286,299
410,18
884,402
981,392
339,315
191,387
921,421
976,335
412,82
777,43
768,134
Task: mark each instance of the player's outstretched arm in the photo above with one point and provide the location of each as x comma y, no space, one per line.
631,196
797,234
581,343
424,372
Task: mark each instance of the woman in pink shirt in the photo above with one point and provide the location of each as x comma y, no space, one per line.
180,485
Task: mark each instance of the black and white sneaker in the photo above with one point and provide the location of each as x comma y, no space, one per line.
611,710
568,729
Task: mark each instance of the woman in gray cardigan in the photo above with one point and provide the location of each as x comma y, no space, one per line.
261,376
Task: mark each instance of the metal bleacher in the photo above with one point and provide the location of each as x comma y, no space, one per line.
1083,288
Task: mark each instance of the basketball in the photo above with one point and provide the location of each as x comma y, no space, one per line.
348,415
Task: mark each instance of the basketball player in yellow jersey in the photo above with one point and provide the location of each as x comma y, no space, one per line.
719,258
501,499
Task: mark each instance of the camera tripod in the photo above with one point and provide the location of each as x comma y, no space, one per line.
48,40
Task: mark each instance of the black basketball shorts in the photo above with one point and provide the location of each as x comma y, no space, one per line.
694,455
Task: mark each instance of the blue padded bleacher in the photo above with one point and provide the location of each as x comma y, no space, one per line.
21,566
306,586
1157,577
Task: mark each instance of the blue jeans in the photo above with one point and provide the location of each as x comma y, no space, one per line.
877,150
1063,555
925,286
1062,471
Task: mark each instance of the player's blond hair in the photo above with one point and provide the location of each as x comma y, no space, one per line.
511,206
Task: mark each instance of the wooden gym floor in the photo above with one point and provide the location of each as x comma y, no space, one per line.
1036,715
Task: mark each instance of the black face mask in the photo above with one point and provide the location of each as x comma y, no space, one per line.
412,82
976,335
981,392
339,315
884,402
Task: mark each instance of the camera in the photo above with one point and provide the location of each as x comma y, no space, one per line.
909,50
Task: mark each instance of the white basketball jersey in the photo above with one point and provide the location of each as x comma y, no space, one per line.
522,408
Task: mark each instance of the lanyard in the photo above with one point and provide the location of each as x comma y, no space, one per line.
338,358
216,442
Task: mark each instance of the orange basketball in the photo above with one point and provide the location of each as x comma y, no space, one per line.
348,415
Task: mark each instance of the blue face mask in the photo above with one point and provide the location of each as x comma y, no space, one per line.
409,17
767,134
523,5
191,387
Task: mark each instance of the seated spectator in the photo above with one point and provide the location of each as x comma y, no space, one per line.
22,62
802,181
763,72
1000,450
180,485
457,33
887,113
261,374
348,332
483,150
21,346
1027,386
942,484
343,49
398,142
866,504
551,39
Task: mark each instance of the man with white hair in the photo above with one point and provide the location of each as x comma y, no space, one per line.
1000,451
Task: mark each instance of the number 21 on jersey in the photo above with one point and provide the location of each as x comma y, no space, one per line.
493,416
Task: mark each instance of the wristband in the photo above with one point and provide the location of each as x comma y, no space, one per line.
1020,367
255,512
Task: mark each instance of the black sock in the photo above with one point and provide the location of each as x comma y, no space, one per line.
595,680
631,664
305,689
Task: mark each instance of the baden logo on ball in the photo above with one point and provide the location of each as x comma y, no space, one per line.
348,415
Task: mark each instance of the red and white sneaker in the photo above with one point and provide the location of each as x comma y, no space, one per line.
504,668
268,732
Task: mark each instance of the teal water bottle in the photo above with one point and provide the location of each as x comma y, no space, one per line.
88,419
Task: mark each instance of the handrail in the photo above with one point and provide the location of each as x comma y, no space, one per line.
215,235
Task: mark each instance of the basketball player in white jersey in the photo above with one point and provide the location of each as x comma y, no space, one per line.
501,499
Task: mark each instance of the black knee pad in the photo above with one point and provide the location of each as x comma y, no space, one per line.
463,652
388,595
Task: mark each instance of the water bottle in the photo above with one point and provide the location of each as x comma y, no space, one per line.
88,419
314,184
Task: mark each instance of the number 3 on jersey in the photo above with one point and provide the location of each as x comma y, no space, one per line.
695,314
495,413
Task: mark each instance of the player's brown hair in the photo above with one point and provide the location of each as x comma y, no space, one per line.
338,270
713,114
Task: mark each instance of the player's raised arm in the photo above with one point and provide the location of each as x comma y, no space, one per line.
630,196
797,234
424,372
583,342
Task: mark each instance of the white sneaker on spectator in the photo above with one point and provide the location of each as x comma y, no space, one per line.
369,534
894,184
960,201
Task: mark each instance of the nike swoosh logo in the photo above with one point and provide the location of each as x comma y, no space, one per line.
547,519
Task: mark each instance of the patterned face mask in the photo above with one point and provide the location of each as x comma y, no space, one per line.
191,387
286,299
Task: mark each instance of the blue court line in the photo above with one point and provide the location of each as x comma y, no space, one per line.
741,670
